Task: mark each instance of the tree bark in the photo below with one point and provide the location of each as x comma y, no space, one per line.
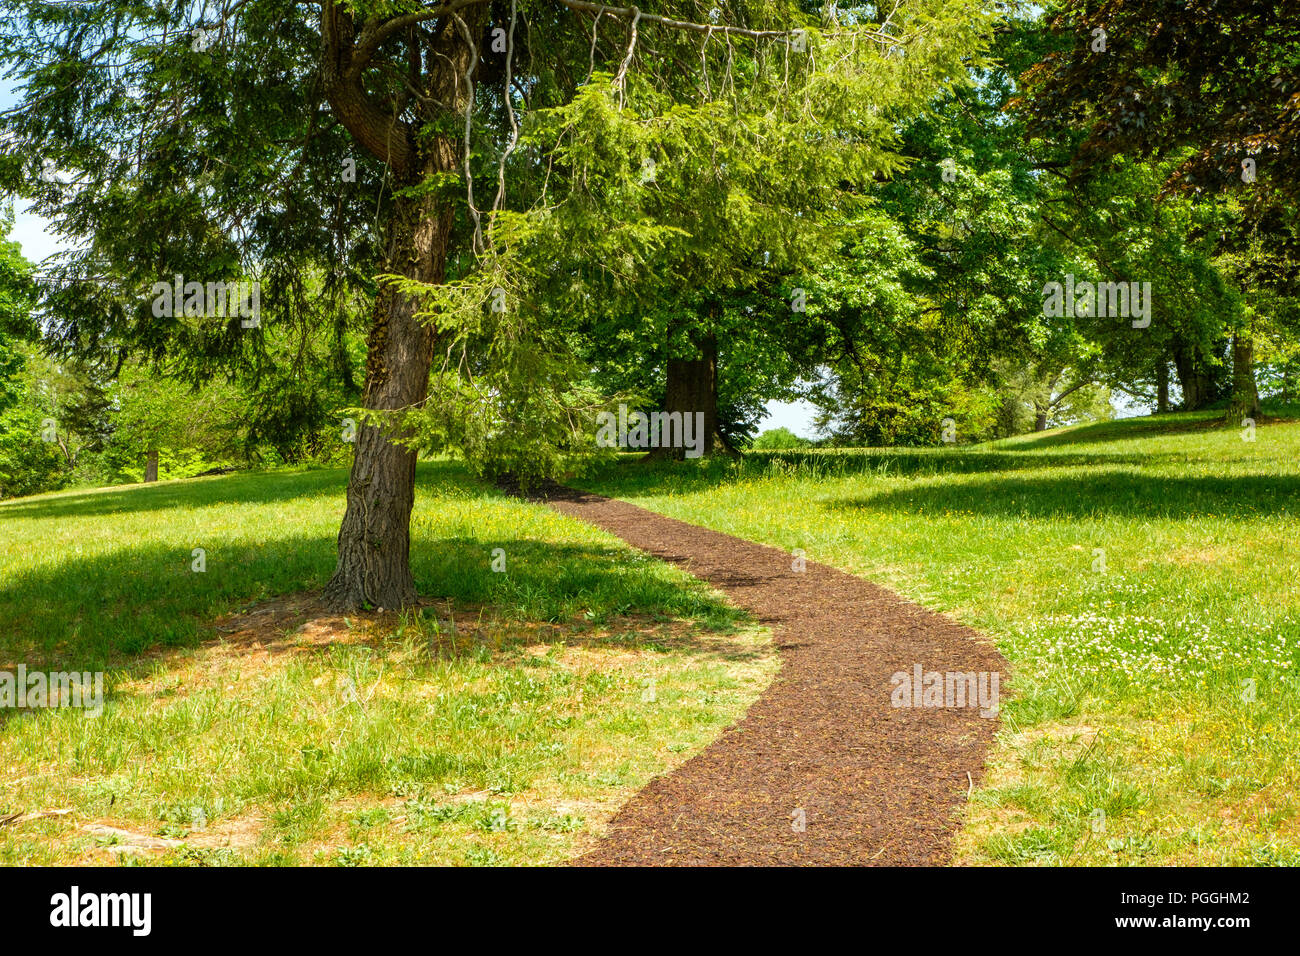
1043,403
692,387
1162,387
1245,394
374,540
151,466
1193,377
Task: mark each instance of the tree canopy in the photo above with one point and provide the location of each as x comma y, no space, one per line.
302,229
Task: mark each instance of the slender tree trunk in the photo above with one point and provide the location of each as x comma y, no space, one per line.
1245,394
1043,403
692,387
374,540
151,466
1162,387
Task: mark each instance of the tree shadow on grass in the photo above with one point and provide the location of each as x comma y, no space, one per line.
126,609
631,478
1115,492
129,606
914,462
1127,429
546,581
258,486
98,610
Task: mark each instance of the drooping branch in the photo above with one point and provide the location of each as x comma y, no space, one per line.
621,79
595,35
507,96
376,36
469,119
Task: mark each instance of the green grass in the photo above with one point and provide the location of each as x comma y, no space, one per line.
572,677
86,577
1156,711
1155,716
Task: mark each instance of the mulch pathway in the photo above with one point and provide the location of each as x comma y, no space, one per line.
876,784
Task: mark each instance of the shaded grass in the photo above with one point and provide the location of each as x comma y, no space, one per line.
86,583
572,677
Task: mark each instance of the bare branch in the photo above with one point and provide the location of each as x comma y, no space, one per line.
595,35
499,202
620,80
632,13
469,119
372,40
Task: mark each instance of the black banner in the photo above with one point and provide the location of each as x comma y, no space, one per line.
923,907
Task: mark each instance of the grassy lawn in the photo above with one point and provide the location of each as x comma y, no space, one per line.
503,723
1141,578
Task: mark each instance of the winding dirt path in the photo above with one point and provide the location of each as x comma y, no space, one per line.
823,746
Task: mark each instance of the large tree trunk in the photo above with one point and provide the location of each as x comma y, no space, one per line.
1162,387
1245,394
1193,377
151,466
1040,419
693,387
374,539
